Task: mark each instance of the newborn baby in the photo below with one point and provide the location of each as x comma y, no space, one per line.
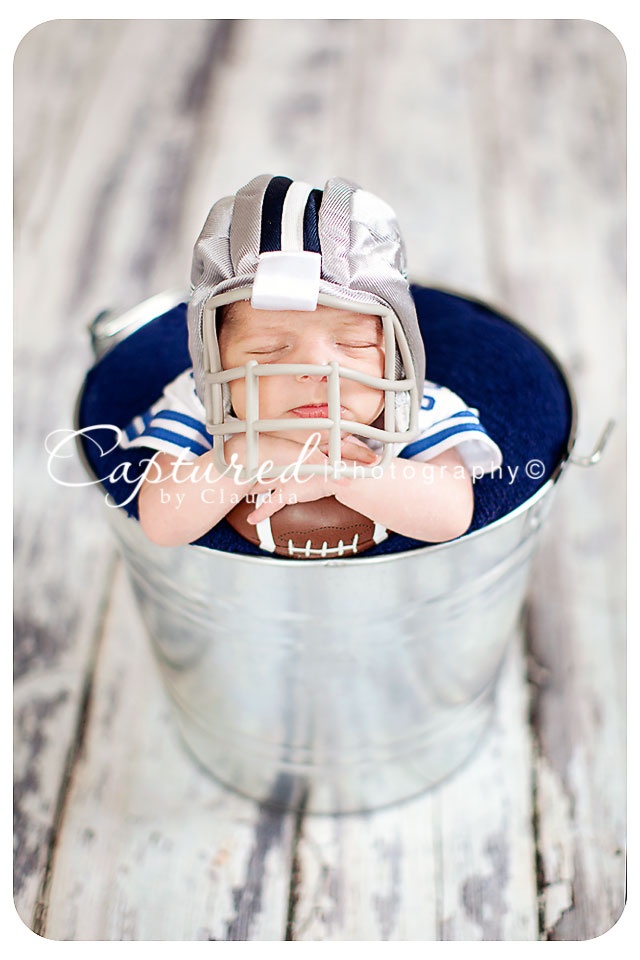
308,376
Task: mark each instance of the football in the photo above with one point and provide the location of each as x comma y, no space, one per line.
318,530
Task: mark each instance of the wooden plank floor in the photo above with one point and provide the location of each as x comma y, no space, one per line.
500,143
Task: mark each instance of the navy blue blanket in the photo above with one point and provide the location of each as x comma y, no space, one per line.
522,397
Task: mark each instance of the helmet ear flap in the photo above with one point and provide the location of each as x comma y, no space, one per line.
211,265
226,393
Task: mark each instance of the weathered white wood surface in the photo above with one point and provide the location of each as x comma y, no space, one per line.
501,146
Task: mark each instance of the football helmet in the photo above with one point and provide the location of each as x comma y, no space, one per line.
283,245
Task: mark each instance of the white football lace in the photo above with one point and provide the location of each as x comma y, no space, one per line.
325,550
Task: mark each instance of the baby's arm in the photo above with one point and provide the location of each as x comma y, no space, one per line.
434,504
178,504
430,501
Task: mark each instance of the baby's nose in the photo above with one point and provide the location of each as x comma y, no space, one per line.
314,353
310,377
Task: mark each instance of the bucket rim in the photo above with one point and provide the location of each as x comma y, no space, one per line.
147,311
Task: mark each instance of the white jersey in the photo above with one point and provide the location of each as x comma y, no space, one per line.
176,424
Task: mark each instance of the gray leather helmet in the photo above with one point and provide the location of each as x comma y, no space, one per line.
284,245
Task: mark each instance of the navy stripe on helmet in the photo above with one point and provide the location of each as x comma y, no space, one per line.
272,202
310,222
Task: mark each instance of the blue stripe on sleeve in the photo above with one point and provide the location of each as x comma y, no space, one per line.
467,414
191,422
132,431
423,443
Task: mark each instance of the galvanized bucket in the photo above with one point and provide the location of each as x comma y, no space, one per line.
333,685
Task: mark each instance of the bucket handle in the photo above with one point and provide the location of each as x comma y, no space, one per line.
109,327
594,456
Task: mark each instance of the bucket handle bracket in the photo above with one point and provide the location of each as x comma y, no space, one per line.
595,455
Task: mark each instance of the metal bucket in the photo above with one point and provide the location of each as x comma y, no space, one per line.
335,685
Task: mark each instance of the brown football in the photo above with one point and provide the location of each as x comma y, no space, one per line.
320,529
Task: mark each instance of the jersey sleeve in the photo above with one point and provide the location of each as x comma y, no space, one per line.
174,424
446,421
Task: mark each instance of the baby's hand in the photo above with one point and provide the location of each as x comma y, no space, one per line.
314,486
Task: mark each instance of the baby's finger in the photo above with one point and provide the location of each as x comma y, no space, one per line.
273,502
265,485
358,452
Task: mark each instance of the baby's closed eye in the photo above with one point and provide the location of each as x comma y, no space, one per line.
357,345
267,350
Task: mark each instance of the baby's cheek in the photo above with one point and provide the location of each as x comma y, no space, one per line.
371,398
274,396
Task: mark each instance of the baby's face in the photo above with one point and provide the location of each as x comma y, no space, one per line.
291,336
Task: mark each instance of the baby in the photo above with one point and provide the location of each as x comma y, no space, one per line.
308,375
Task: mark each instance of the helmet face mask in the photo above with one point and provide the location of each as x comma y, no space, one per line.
399,421
359,270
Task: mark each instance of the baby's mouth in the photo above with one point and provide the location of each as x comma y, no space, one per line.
315,410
